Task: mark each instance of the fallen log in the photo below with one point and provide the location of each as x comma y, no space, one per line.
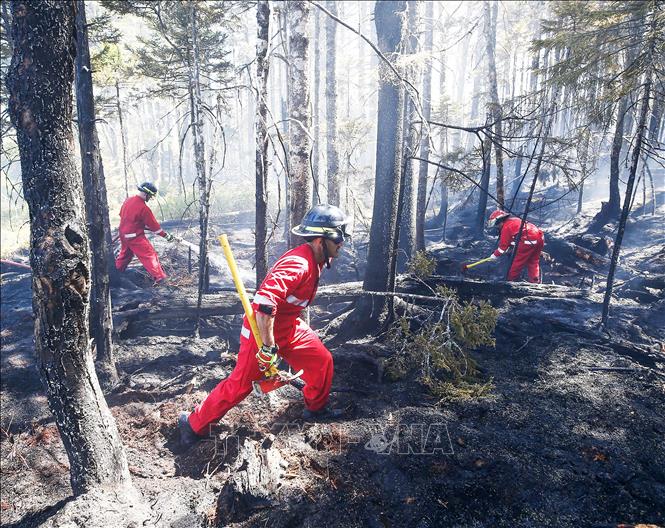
573,255
182,306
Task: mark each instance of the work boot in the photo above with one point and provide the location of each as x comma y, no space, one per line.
187,435
322,414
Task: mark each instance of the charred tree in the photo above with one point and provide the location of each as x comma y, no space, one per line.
39,83
300,141
262,68
496,112
639,138
388,19
316,170
96,208
203,182
331,107
406,217
424,140
481,212
125,167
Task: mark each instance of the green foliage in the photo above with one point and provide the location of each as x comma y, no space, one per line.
421,265
166,52
436,349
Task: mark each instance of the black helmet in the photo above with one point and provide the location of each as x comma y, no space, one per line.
323,220
148,188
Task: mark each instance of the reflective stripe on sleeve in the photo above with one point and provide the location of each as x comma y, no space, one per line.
292,299
245,332
262,299
500,251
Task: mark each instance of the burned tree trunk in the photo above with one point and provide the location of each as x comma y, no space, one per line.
481,212
125,169
316,117
39,82
406,217
196,105
300,141
262,67
96,207
388,20
639,138
331,107
424,140
495,105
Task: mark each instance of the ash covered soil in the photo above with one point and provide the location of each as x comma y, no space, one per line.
571,433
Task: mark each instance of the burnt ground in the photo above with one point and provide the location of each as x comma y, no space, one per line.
571,433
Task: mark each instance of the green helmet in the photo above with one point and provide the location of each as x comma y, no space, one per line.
323,221
148,188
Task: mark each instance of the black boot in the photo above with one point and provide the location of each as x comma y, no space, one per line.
187,435
322,414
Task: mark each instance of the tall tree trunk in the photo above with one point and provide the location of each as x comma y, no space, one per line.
495,105
285,114
331,107
637,150
584,158
481,212
316,172
388,20
300,142
39,83
123,136
96,207
262,69
199,160
406,217
425,139
614,205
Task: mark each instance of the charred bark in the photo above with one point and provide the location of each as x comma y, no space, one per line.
300,141
388,20
481,211
125,169
639,138
331,107
496,111
39,82
423,167
196,107
96,208
262,68
406,217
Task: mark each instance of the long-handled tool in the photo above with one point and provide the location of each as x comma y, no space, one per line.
481,261
274,378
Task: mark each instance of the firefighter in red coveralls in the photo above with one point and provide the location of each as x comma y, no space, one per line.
289,287
529,249
135,217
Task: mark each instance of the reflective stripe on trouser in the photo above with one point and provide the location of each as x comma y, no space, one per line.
528,256
142,248
304,351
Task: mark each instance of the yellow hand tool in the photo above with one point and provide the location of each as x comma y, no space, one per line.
469,266
272,371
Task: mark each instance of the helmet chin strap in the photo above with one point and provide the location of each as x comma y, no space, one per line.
326,256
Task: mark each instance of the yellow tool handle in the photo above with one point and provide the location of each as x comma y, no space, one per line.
479,262
224,242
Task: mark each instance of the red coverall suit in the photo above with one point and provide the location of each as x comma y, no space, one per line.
288,288
528,252
135,216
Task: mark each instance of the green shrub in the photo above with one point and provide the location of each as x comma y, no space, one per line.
436,347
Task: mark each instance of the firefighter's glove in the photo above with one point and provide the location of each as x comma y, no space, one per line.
169,237
267,357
